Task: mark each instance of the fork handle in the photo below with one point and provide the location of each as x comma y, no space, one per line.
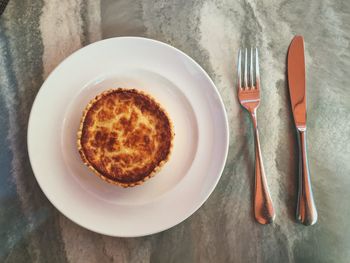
306,209
263,208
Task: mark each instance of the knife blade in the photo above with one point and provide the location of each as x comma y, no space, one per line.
306,209
296,81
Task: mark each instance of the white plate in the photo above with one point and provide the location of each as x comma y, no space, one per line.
200,144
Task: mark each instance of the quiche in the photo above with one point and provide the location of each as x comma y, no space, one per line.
125,136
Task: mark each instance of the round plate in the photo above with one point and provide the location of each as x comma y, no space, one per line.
186,92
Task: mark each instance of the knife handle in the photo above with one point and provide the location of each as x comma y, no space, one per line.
263,209
306,209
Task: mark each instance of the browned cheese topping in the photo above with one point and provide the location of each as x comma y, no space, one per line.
125,136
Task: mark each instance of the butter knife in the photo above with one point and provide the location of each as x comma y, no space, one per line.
306,209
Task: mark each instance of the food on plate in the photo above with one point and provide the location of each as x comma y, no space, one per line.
125,136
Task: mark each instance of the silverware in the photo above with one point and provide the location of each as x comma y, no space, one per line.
306,209
249,97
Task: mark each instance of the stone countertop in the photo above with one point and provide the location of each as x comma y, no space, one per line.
35,36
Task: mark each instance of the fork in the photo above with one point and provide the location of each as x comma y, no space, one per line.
249,97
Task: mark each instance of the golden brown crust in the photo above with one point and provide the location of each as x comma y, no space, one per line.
125,136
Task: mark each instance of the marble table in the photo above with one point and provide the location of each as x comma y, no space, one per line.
35,36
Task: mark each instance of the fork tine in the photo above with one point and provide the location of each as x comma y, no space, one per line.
239,76
251,81
245,68
257,73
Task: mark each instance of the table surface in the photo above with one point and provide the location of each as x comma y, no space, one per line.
35,36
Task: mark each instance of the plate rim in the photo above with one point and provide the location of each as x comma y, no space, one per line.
225,140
